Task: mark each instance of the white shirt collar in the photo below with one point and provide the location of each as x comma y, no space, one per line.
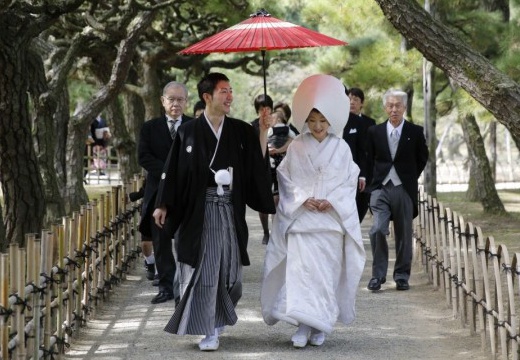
390,127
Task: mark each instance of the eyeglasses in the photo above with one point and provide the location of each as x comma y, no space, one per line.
172,100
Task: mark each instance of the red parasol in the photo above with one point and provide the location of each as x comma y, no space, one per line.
261,32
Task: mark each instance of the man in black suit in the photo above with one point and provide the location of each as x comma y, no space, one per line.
355,134
397,155
155,141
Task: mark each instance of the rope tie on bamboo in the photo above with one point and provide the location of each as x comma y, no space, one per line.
50,279
68,329
80,254
61,343
124,267
455,280
114,279
72,262
20,301
87,248
502,323
5,313
48,352
507,268
77,317
492,255
59,271
87,309
35,288
134,254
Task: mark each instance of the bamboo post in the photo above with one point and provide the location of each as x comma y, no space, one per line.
78,309
453,261
32,278
60,316
13,282
101,245
490,324
20,315
466,269
83,276
445,252
47,250
498,298
510,323
86,248
108,242
430,244
70,235
37,300
458,269
477,253
115,234
4,298
93,256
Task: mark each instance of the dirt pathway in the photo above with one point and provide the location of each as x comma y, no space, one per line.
414,324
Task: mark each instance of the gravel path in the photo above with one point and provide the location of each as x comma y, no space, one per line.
414,324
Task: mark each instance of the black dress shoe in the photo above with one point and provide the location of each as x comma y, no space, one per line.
155,281
375,283
150,270
162,297
401,284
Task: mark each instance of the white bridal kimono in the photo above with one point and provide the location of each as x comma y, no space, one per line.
314,260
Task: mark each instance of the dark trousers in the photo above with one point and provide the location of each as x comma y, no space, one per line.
164,259
362,202
391,203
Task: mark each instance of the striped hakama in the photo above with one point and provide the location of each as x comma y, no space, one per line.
211,290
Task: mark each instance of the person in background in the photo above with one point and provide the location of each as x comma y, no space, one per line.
355,134
155,141
198,109
279,137
263,107
315,256
397,155
100,135
146,242
216,167
286,109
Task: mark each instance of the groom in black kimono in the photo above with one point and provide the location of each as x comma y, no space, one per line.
215,168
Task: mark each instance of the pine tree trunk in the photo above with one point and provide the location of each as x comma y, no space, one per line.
481,173
22,185
44,137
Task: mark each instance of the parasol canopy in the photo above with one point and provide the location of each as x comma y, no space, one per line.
261,32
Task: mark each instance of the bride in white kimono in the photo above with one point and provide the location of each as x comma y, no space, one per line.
315,257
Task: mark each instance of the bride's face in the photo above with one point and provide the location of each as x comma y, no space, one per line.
318,125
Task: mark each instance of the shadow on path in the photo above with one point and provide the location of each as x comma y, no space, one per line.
390,324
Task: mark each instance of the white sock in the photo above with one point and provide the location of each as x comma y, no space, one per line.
150,259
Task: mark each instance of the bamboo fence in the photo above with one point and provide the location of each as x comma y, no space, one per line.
480,279
53,285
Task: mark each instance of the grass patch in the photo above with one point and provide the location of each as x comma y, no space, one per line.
504,228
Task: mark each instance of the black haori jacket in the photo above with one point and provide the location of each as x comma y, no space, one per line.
183,186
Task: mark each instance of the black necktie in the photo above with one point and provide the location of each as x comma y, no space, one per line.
172,128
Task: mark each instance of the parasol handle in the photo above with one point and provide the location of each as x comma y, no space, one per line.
263,67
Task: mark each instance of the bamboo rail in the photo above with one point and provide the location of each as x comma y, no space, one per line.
480,280
52,286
